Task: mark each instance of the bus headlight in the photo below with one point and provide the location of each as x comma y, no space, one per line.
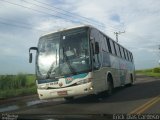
84,81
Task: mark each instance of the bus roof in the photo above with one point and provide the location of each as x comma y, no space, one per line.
79,26
69,28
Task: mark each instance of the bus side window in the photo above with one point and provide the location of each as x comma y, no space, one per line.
109,46
128,56
112,47
122,52
131,57
117,49
96,48
104,44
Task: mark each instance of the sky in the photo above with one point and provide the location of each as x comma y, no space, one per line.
22,22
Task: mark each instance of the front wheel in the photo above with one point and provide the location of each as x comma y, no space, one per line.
69,98
110,87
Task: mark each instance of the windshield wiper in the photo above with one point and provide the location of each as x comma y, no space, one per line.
51,67
68,63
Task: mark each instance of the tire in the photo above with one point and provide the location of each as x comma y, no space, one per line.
69,98
110,86
131,80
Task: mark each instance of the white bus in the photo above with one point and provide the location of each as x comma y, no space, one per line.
80,61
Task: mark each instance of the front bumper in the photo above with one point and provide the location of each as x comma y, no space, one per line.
83,89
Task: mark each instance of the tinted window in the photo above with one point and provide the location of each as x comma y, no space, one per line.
109,46
128,56
112,47
131,57
122,52
117,49
104,44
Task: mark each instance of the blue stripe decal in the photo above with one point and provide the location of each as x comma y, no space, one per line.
46,81
80,76
71,78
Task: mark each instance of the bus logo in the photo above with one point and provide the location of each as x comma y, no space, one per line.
60,84
69,79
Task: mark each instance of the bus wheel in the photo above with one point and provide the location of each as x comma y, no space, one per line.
131,80
110,86
69,98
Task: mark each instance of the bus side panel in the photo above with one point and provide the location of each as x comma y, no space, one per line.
115,71
99,80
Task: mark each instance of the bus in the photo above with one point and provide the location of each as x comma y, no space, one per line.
80,61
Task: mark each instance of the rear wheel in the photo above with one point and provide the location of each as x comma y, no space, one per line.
110,86
131,80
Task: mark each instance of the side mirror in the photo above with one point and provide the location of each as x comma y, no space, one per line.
96,48
30,57
30,54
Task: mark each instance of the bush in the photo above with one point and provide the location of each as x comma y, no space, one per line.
156,70
16,81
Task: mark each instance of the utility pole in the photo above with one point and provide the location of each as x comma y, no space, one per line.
117,33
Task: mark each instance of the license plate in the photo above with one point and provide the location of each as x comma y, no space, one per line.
62,92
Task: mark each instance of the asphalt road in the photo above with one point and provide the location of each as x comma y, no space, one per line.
141,98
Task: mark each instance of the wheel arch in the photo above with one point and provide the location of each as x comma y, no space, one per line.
109,77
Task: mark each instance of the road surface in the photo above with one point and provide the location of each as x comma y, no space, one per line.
141,98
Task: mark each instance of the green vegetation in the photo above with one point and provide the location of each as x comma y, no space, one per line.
17,85
155,72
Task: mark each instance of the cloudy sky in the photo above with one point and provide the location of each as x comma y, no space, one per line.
22,22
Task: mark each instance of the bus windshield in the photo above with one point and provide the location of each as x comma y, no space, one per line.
63,53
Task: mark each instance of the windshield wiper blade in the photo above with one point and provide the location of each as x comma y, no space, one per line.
51,68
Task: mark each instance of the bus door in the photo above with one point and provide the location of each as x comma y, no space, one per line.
98,76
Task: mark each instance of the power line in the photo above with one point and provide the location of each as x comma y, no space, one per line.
73,14
42,12
19,22
88,21
19,26
70,13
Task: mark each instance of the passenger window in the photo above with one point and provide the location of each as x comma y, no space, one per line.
104,44
128,56
131,57
122,52
117,49
112,47
109,46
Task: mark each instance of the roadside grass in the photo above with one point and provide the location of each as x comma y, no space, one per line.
17,85
155,72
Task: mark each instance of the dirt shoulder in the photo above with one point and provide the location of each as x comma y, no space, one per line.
19,98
